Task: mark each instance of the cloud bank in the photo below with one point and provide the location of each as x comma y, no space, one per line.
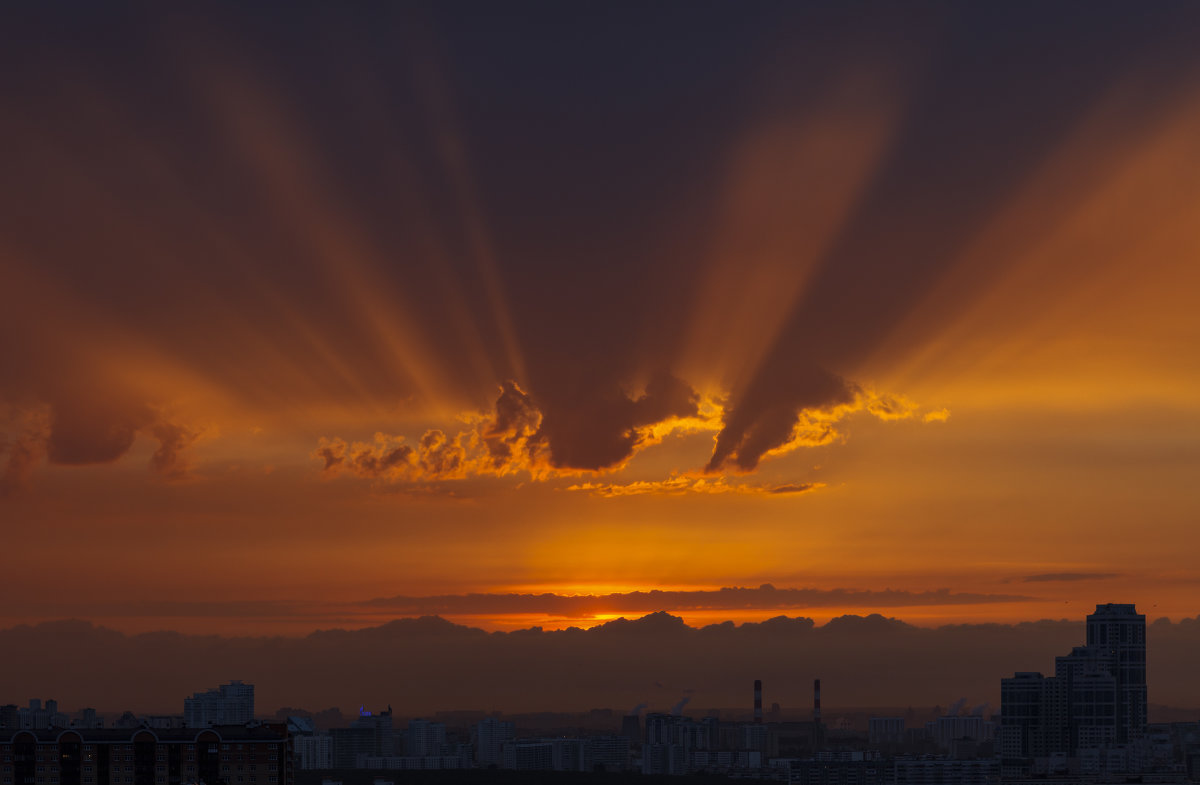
861,661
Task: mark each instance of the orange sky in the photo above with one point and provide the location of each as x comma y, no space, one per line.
250,354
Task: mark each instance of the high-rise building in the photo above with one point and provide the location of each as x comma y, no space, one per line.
229,704
313,751
1095,700
424,738
370,735
490,736
1120,632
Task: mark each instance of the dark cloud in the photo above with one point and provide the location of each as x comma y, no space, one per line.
516,436
91,427
332,452
88,428
803,487
956,156
609,665
357,216
603,428
765,417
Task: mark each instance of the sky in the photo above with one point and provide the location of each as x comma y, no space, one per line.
542,314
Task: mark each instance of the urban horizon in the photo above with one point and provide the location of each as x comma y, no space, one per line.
539,357
731,651
1090,720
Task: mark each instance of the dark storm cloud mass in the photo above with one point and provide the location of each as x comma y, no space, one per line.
414,203
571,669
604,431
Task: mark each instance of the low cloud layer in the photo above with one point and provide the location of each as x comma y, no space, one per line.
764,597
685,485
612,665
516,436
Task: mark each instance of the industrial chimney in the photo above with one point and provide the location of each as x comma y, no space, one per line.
758,702
818,728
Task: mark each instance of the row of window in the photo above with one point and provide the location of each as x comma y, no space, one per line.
53,779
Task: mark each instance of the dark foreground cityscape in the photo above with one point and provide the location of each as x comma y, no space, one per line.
1088,722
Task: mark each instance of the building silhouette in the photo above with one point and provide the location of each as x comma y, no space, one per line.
370,735
1095,701
229,704
223,755
490,737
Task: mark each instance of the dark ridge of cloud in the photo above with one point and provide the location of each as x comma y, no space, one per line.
765,417
602,428
614,664
730,598
1047,577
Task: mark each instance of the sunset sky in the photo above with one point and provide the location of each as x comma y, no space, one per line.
319,316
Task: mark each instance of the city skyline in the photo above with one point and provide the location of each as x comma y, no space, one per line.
1088,723
656,661
533,317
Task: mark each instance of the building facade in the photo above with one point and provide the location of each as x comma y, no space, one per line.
1096,699
235,755
229,704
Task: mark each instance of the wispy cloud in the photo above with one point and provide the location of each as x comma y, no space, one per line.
1048,577
729,598
682,485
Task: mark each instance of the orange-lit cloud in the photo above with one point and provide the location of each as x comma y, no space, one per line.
518,437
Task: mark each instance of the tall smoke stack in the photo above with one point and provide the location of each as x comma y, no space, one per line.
818,728
757,701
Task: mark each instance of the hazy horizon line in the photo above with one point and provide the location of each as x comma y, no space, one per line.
676,621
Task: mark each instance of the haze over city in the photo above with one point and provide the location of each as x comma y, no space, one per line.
655,348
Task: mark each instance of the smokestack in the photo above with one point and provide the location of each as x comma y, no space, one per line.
817,701
758,702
